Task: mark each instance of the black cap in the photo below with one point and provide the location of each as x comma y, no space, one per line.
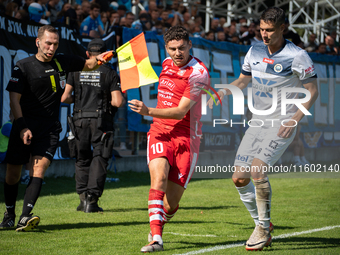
96,45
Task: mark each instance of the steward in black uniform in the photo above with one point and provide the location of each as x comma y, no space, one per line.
35,90
96,97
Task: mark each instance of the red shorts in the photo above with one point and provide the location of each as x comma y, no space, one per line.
178,147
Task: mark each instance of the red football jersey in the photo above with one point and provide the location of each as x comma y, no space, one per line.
176,82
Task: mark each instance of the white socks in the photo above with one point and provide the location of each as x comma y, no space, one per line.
158,238
247,195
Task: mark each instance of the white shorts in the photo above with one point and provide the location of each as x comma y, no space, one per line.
262,143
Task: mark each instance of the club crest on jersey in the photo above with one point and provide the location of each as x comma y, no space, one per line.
167,83
62,84
269,61
278,68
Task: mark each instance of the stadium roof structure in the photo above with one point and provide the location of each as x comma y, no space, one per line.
307,16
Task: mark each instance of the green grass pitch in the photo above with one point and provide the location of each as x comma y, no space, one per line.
210,215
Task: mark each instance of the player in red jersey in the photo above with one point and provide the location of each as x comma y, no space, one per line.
174,136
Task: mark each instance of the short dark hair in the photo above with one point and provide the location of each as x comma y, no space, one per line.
94,6
47,28
176,33
274,15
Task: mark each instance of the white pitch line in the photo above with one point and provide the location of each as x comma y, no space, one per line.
178,234
223,247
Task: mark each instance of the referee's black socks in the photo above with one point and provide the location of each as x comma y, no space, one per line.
32,193
11,193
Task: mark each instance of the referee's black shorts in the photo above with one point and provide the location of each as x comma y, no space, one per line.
43,143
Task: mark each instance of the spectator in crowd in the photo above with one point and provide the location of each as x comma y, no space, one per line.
114,18
52,8
186,17
11,9
122,22
36,12
79,11
311,45
46,14
22,15
155,16
198,22
243,29
86,7
164,18
214,26
322,48
330,46
71,19
231,33
27,4
152,7
143,23
333,35
210,35
291,36
222,21
158,27
121,10
254,35
92,22
104,5
220,36
129,19
105,21
173,19
61,14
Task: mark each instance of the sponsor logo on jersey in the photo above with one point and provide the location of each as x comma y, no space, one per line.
180,175
16,68
278,68
262,85
167,83
273,144
48,71
267,155
309,69
242,158
269,61
256,63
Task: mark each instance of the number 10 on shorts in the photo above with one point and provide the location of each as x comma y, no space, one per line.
157,148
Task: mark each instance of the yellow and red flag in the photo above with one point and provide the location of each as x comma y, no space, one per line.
134,64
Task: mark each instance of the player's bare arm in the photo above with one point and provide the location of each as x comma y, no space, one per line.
286,131
25,134
242,82
176,113
67,97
